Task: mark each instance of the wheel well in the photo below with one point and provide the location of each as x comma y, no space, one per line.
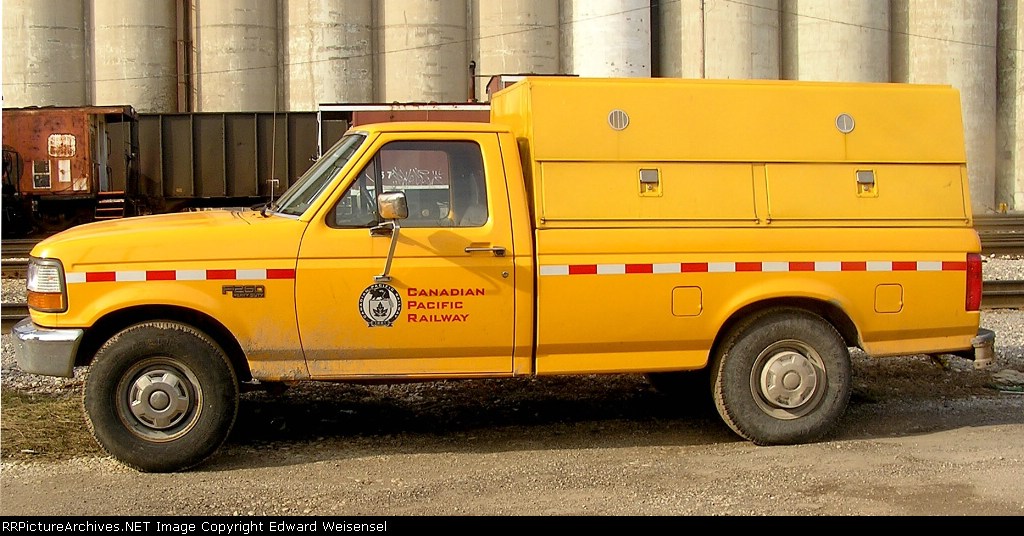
832,314
107,326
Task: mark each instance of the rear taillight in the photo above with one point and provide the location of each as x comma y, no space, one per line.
973,282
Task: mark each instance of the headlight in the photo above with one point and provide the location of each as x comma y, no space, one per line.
47,291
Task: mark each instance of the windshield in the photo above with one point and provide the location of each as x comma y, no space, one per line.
296,199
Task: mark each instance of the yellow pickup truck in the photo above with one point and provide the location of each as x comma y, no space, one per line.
736,237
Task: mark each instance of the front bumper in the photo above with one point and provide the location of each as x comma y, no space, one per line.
50,352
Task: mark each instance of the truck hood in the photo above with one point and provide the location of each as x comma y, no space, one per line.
187,236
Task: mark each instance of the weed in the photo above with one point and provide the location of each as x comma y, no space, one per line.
43,427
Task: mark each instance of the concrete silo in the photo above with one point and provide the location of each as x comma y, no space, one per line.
1010,112
422,51
45,53
835,40
236,63
720,39
328,52
606,38
513,37
954,42
134,55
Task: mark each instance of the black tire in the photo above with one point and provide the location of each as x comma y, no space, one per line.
185,395
782,377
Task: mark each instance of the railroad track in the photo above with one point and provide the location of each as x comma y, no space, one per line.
18,247
14,268
1001,234
1002,295
12,313
15,256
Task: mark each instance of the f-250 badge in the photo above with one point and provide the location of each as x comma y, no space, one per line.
380,305
244,291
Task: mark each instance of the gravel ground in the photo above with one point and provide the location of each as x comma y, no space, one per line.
1004,267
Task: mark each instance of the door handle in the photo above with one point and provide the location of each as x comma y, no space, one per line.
499,251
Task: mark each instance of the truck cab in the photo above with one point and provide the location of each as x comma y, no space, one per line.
457,269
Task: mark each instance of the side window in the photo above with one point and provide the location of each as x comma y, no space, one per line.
358,207
443,183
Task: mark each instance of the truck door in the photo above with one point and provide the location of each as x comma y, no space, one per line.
447,305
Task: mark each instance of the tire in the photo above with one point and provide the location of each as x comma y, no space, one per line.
161,397
782,377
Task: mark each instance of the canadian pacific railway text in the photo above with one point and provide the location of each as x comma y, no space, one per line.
425,311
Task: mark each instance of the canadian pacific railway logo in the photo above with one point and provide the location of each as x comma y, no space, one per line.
380,305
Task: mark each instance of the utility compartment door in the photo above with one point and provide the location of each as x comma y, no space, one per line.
878,194
448,308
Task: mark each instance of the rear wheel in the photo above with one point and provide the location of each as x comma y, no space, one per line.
161,396
782,377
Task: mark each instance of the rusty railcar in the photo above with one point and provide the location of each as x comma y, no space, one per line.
67,165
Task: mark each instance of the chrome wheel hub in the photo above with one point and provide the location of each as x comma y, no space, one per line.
788,379
159,398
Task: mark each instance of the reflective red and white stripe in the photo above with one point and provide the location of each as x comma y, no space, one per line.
258,274
734,267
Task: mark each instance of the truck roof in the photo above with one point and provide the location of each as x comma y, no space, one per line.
672,119
432,126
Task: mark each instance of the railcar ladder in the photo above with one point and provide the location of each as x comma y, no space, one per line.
109,205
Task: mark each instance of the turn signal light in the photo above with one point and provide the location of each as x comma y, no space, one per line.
46,301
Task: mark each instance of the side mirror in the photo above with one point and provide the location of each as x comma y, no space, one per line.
393,206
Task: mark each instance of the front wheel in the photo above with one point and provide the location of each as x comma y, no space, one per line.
782,377
161,396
